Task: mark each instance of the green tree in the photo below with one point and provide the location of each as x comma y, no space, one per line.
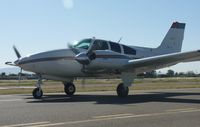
152,74
170,73
190,74
3,75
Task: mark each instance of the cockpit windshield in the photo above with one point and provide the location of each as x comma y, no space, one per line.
84,44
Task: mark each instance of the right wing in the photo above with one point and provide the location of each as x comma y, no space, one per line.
161,61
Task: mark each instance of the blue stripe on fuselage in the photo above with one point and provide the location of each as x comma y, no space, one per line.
69,58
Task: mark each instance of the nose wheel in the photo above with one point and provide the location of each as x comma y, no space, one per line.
69,88
37,92
122,90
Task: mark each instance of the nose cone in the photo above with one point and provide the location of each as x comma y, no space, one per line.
17,62
20,61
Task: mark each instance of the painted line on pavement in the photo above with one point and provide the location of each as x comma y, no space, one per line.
11,100
183,109
26,124
117,117
114,115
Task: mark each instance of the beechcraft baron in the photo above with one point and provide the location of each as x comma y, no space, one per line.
100,58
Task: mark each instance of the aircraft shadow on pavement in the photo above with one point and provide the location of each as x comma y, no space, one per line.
113,99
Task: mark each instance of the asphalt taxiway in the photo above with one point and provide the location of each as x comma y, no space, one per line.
149,108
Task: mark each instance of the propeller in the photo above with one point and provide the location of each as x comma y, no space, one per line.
84,58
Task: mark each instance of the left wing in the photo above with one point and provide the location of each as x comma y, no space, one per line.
161,61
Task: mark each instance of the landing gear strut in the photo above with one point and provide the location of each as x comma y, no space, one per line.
122,90
37,92
69,88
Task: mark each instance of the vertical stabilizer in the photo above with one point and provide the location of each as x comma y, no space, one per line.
173,40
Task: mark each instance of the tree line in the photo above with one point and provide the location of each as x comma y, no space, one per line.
4,76
169,73
152,74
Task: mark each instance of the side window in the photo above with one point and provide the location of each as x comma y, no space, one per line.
100,45
115,47
128,50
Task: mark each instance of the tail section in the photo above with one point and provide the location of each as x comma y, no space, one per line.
173,40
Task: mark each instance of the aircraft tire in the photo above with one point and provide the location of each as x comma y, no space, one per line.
37,93
70,89
122,91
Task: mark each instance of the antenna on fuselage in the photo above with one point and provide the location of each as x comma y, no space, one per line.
120,39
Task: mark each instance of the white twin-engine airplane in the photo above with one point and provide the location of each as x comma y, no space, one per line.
100,58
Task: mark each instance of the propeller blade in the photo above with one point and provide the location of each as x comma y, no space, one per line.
90,53
69,45
83,82
91,48
74,50
20,75
16,52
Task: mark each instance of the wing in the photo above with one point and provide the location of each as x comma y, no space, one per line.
161,61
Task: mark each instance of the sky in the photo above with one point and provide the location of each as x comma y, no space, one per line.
41,25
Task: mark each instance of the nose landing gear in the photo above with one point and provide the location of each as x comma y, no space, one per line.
37,92
69,88
122,90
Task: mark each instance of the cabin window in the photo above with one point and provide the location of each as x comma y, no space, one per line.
128,50
84,44
100,45
115,47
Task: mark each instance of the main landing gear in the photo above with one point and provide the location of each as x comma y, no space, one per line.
37,92
122,90
69,88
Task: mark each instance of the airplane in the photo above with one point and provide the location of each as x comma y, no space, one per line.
93,57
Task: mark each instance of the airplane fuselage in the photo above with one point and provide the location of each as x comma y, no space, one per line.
61,63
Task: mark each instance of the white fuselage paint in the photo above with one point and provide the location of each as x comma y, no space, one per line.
60,64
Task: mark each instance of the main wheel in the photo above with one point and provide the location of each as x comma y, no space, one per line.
70,88
37,93
122,91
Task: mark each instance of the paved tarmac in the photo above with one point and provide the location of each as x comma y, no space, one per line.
149,108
